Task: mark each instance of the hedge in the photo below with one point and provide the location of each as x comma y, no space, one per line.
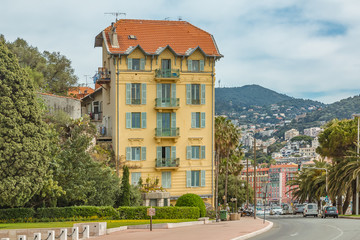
192,200
160,213
16,213
77,211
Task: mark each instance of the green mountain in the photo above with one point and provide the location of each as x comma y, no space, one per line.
256,104
248,95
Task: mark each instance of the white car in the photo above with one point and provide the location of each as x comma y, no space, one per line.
276,210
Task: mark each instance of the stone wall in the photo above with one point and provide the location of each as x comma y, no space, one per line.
69,105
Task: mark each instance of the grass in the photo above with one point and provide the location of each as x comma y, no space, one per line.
358,216
110,223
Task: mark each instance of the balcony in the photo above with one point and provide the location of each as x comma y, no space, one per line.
167,163
102,76
167,133
167,103
167,74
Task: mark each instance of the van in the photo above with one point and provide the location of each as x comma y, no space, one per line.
310,209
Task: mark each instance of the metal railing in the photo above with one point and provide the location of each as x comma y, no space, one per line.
167,102
167,73
166,132
135,101
102,75
167,162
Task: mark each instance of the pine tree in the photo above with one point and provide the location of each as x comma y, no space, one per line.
125,188
24,141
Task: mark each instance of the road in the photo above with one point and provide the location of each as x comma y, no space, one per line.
310,228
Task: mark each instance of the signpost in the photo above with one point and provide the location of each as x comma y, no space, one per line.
151,213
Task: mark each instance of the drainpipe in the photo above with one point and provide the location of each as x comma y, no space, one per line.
212,130
117,115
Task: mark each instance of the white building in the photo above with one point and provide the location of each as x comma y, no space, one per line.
290,134
312,132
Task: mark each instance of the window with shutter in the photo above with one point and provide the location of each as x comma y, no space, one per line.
166,179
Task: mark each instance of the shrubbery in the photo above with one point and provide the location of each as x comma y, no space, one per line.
16,213
192,200
80,211
161,213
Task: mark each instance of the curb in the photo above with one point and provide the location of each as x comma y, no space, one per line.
349,217
253,234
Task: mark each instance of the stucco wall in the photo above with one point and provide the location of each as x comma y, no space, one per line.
68,105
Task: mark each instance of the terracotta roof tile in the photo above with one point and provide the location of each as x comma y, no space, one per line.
154,34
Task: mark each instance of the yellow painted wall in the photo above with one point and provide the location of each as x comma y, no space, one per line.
145,137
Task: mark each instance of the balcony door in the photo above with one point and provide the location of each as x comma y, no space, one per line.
166,124
165,94
166,67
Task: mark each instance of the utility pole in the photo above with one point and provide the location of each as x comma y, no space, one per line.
254,178
357,177
247,183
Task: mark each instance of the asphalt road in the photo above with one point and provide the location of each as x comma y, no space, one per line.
310,228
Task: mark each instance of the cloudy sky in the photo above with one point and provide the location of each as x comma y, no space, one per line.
304,48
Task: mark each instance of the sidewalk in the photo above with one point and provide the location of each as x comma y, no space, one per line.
216,231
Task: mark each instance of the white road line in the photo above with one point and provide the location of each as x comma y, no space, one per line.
294,234
341,231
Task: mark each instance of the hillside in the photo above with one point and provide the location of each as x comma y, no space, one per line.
248,95
342,109
256,104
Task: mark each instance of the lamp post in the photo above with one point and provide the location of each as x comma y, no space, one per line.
357,155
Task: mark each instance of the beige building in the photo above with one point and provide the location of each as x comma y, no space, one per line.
157,102
290,134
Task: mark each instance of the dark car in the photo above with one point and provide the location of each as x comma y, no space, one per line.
329,212
299,208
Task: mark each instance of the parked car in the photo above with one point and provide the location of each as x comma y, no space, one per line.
310,209
329,211
287,209
276,210
299,208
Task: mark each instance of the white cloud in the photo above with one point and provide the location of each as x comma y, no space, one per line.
293,47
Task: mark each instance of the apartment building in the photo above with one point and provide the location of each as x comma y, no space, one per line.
157,80
262,178
290,134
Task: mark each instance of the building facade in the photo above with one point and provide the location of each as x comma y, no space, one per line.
290,134
158,98
262,179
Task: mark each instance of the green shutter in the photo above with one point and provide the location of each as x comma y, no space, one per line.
159,90
188,178
159,120
189,65
202,65
143,93
158,152
168,179
202,152
142,63
143,120
173,152
128,153
128,93
202,122
129,61
193,120
143,153
202,93
202,178
188,93
128,120
173,90
173,120
188,152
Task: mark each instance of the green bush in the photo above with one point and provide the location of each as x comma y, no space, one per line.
192,200
16,213
160,213
77,211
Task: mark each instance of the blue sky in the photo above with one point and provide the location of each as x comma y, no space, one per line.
306,49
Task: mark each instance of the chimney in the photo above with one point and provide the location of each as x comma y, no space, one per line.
113,36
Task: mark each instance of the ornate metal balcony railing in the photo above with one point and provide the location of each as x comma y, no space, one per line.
167,102
167,162
167,73
167,132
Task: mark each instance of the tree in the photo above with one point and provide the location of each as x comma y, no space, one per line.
125,188
24,142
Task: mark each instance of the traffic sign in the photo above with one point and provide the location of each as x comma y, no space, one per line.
151,211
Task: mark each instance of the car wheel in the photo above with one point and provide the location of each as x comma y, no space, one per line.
304,215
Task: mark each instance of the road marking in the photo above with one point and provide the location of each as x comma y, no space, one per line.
341,231
294,234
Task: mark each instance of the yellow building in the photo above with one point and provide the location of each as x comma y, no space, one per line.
157,102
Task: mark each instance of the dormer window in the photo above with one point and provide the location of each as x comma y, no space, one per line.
195,65
133,37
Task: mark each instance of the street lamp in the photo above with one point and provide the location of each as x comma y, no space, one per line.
357,155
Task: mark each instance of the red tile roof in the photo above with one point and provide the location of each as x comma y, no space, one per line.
80,92
284,166
152,35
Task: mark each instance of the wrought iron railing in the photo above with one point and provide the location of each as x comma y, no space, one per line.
166,132
167,102
167,73
167,162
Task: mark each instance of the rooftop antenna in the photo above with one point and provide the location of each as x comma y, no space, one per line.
219,83
116,14
167,19
180,18
86,76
